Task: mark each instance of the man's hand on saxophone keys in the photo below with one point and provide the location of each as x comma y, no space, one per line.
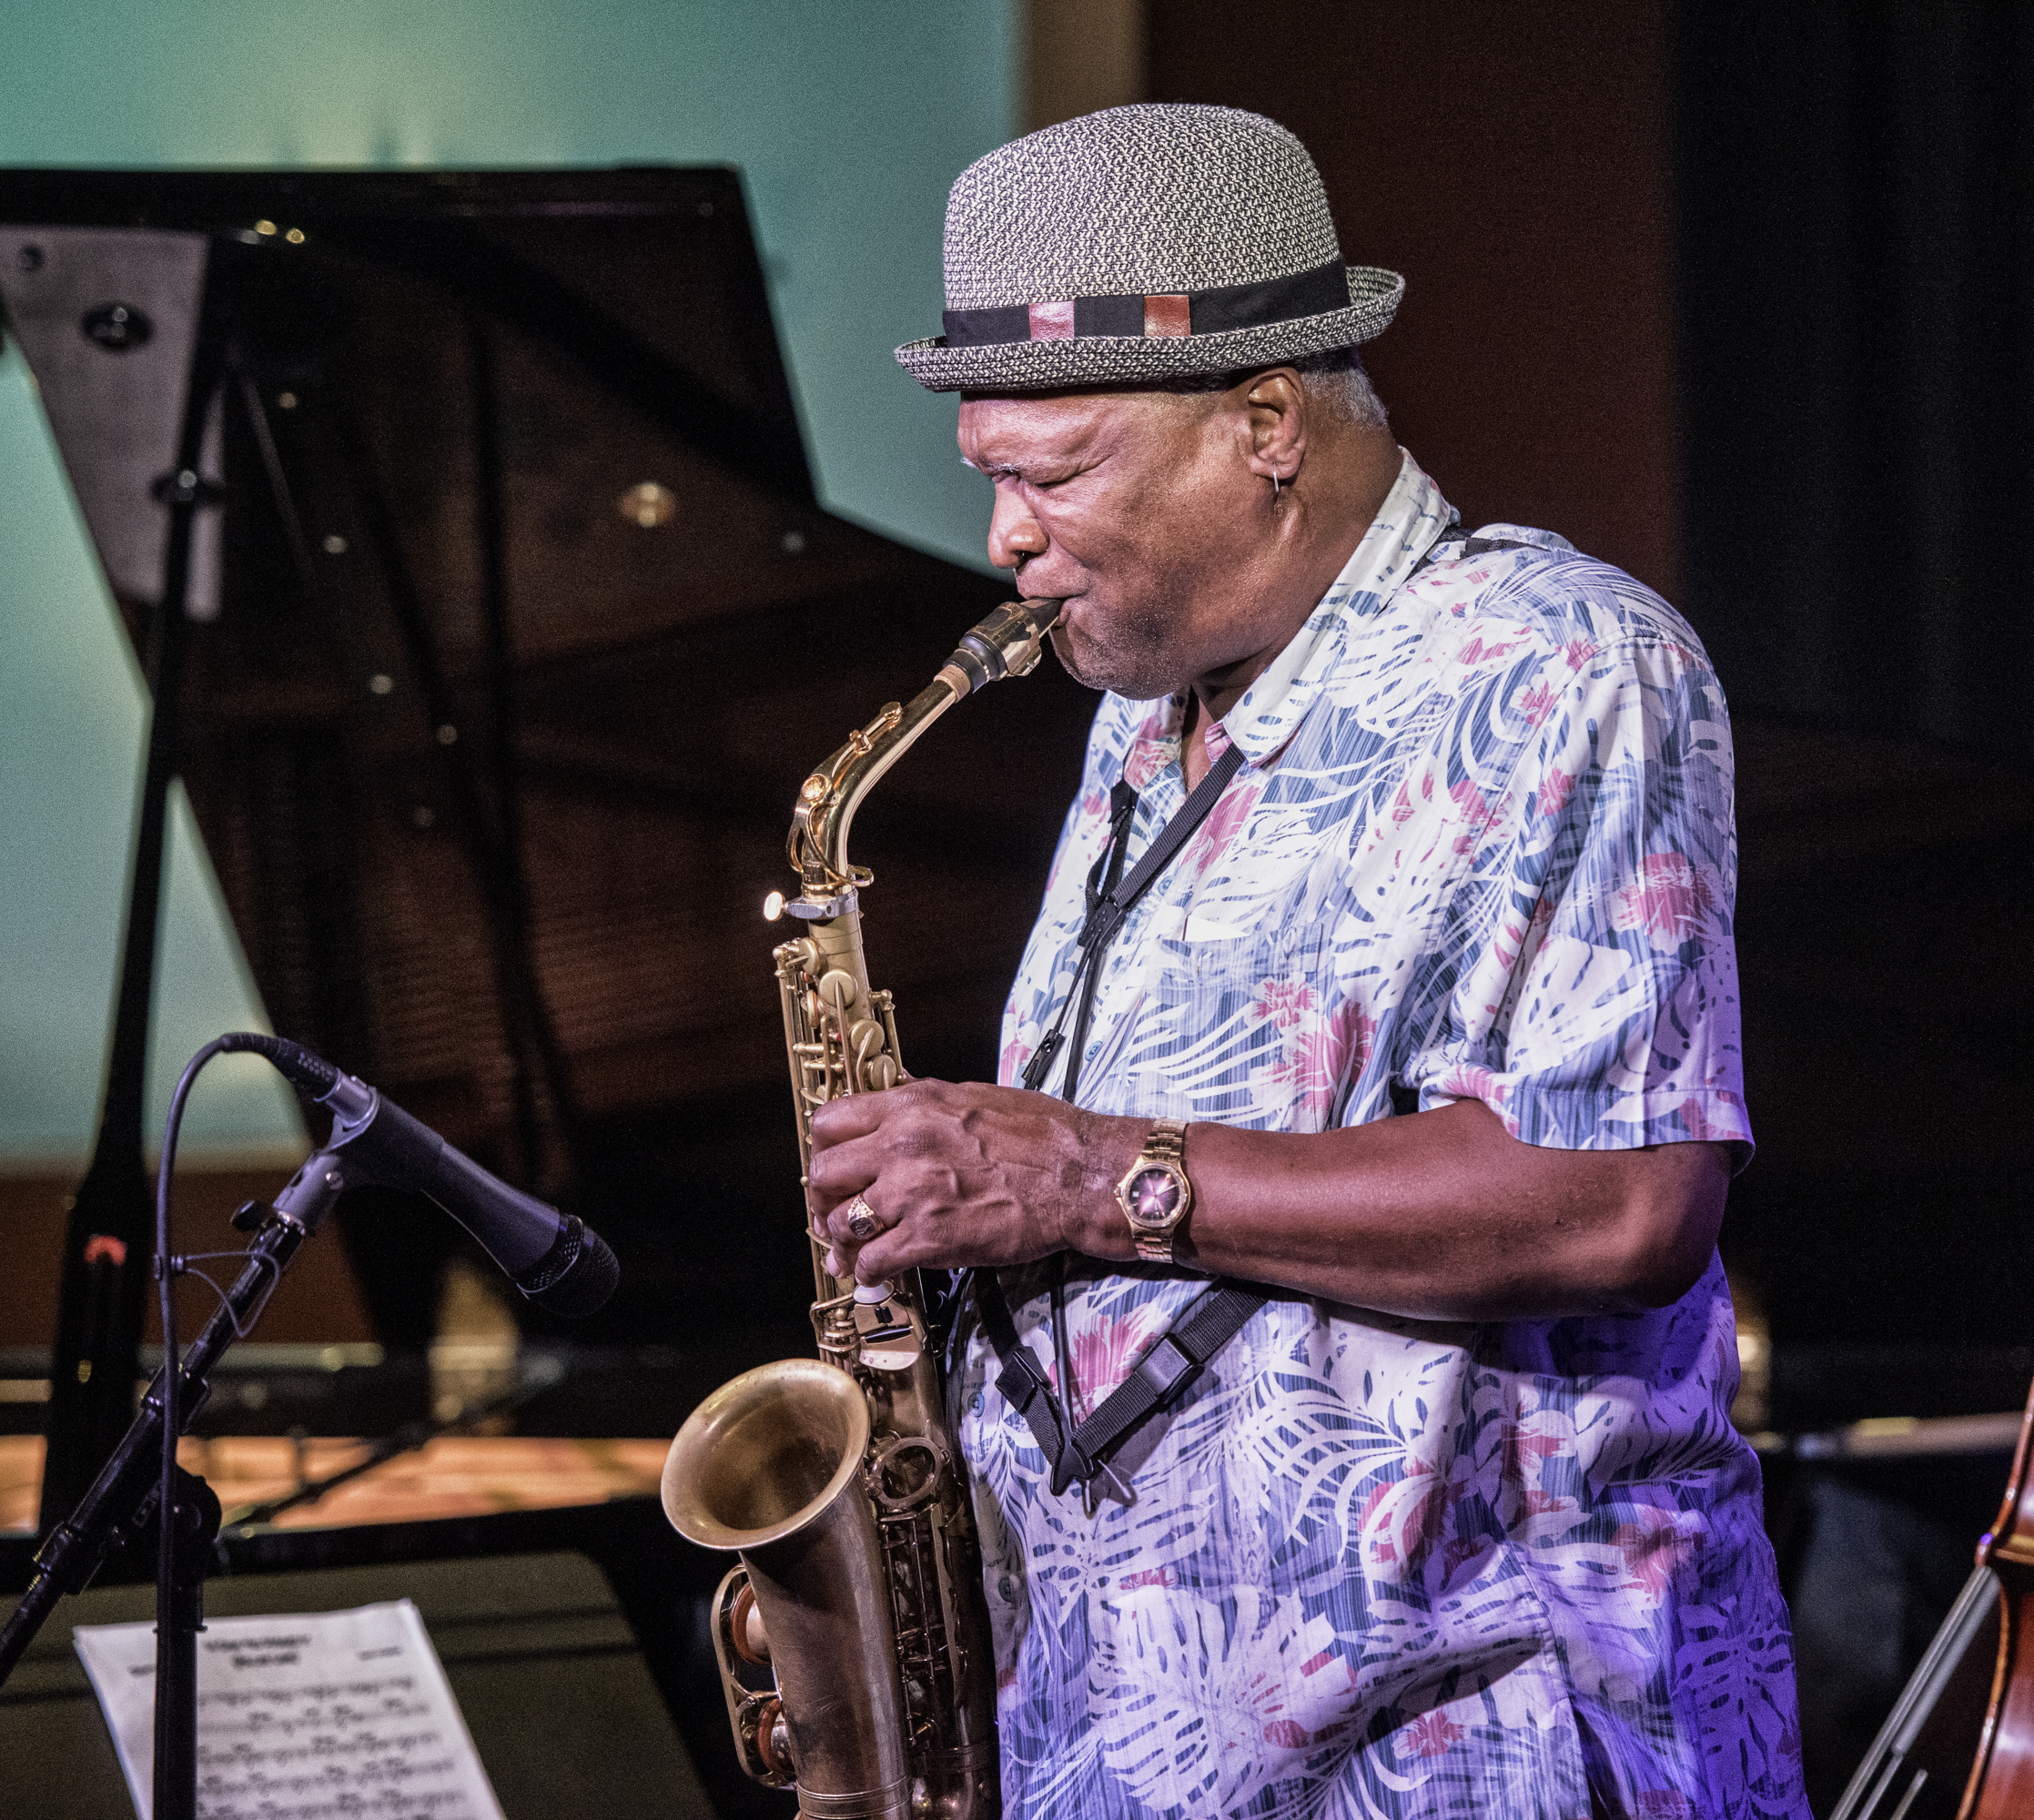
957,1174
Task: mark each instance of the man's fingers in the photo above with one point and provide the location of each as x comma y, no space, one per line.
845,1169
841,1121
882,1256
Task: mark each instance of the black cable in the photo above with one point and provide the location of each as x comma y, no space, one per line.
172,1385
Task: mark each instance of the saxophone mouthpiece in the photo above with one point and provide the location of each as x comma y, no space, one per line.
1008,643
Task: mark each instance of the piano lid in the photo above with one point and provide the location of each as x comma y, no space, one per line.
517,624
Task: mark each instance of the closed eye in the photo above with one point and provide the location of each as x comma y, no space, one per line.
1020,477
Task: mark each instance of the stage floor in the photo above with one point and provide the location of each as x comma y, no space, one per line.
451,1476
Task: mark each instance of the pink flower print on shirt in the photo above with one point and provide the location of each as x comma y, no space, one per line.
1223,820
1010,1063
1294,1711
1536,705
1509,942
1093,807
1402,810
1526,1444
1466,1082
1401,1521
1477,814
1104,1354
1553,792
1316,1055
1148,752
1655,1547
1477,652
1433,1734
1668,900
1696,1121
1283,1002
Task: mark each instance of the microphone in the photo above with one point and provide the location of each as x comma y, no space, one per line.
550,1257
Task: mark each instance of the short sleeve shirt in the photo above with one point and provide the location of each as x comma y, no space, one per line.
1481,846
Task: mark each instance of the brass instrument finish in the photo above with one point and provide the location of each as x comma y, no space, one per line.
853,1639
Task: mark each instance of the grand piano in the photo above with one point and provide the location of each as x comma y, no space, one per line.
503,624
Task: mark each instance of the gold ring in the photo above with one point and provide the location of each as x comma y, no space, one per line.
861,1220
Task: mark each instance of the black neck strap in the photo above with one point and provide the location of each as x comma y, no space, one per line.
1080,1455
1113,900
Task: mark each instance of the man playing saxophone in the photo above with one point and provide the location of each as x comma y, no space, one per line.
1426,1035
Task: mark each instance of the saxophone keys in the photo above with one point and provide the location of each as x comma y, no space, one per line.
879,1075
772,1742
889,1333
745,1629
798,956
838,990
904,1473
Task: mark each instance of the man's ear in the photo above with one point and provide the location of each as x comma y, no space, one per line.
1275,404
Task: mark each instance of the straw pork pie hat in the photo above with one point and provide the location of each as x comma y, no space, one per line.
1142,244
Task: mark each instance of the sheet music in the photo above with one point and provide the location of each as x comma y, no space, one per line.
307,1716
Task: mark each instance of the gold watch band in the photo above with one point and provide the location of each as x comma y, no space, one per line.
1166,1144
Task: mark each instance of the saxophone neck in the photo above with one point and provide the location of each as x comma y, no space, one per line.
1008,643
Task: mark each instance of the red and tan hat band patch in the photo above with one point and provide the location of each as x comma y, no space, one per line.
1200,312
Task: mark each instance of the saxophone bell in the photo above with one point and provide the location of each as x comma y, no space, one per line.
770,1465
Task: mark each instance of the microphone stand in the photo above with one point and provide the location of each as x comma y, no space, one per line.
124,1501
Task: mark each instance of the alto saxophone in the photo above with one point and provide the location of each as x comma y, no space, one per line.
853,1637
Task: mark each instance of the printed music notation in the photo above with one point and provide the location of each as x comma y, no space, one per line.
322,1715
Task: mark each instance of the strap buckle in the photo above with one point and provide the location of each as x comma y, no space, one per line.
1167,1367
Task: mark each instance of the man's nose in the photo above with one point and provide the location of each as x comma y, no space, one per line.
1013,533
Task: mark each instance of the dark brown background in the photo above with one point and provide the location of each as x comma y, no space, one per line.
1513,163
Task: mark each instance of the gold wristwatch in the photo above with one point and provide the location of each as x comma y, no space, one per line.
1155,1194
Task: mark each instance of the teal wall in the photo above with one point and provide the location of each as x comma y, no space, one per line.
848,120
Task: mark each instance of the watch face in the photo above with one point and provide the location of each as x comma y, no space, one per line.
1153,1196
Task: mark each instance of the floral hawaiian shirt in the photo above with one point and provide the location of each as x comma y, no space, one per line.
1481,847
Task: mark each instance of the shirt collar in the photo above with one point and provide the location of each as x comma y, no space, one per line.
1408,524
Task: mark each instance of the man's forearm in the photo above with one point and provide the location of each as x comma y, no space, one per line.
1443,1216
